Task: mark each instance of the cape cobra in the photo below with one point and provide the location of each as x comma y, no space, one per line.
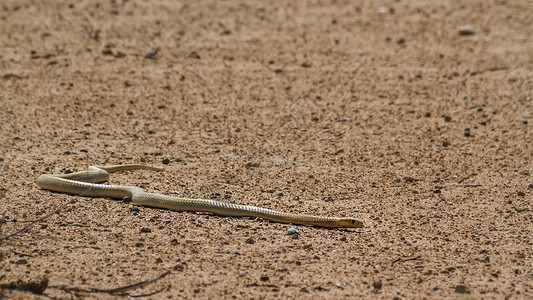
85,183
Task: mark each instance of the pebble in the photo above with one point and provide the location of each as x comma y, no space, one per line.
461,289
159,260
292,231
151,53
21,261
521,193
447,118
250,241
264,278
252,164
166,161
146,229
466,30
377,285
139,244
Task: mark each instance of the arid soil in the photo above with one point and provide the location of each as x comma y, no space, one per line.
386,111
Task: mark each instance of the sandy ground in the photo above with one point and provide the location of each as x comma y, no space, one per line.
380,110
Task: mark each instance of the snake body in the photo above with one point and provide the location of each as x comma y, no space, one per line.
87,183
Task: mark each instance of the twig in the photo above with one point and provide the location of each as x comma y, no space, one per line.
27,227
121,289
406,259
463,185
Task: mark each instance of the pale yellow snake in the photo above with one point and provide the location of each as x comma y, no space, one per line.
85,183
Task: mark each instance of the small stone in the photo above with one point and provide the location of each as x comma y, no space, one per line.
466,30
447,118
139,244
66,152
159,260
292,231
494,274
377,285
264,278
521,193
252,164
485,258
461,289
179,268
68,171
174,242
250,241
21,261
166,161
151,53
445,143
467,132
217,255
146,229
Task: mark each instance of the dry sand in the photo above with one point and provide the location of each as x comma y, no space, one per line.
383,110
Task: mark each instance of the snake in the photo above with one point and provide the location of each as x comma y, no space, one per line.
89,183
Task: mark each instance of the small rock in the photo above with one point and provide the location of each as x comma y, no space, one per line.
68,171
174,242
166,161
194,55
252,164
217,255
466,30
377,285
250,241
66,152
179,267
447,118
521,193
151,53
462,289
146,229
292,231
159,260
21,261
445,143
139,244
264,278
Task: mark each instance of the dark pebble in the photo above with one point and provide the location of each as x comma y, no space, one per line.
377,285
428,115
21,261
445,144
166,161
146,229
264,278
139,244
447,118
250,241
461,289
66,152
521,193
252,164
159,260
174,242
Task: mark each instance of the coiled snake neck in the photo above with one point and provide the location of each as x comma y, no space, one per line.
86,183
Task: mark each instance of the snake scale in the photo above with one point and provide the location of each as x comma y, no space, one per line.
87,183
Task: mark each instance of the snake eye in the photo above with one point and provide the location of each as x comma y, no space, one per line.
353,221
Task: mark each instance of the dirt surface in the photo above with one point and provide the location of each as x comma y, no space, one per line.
380,110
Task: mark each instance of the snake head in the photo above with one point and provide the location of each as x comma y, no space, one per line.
349,223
